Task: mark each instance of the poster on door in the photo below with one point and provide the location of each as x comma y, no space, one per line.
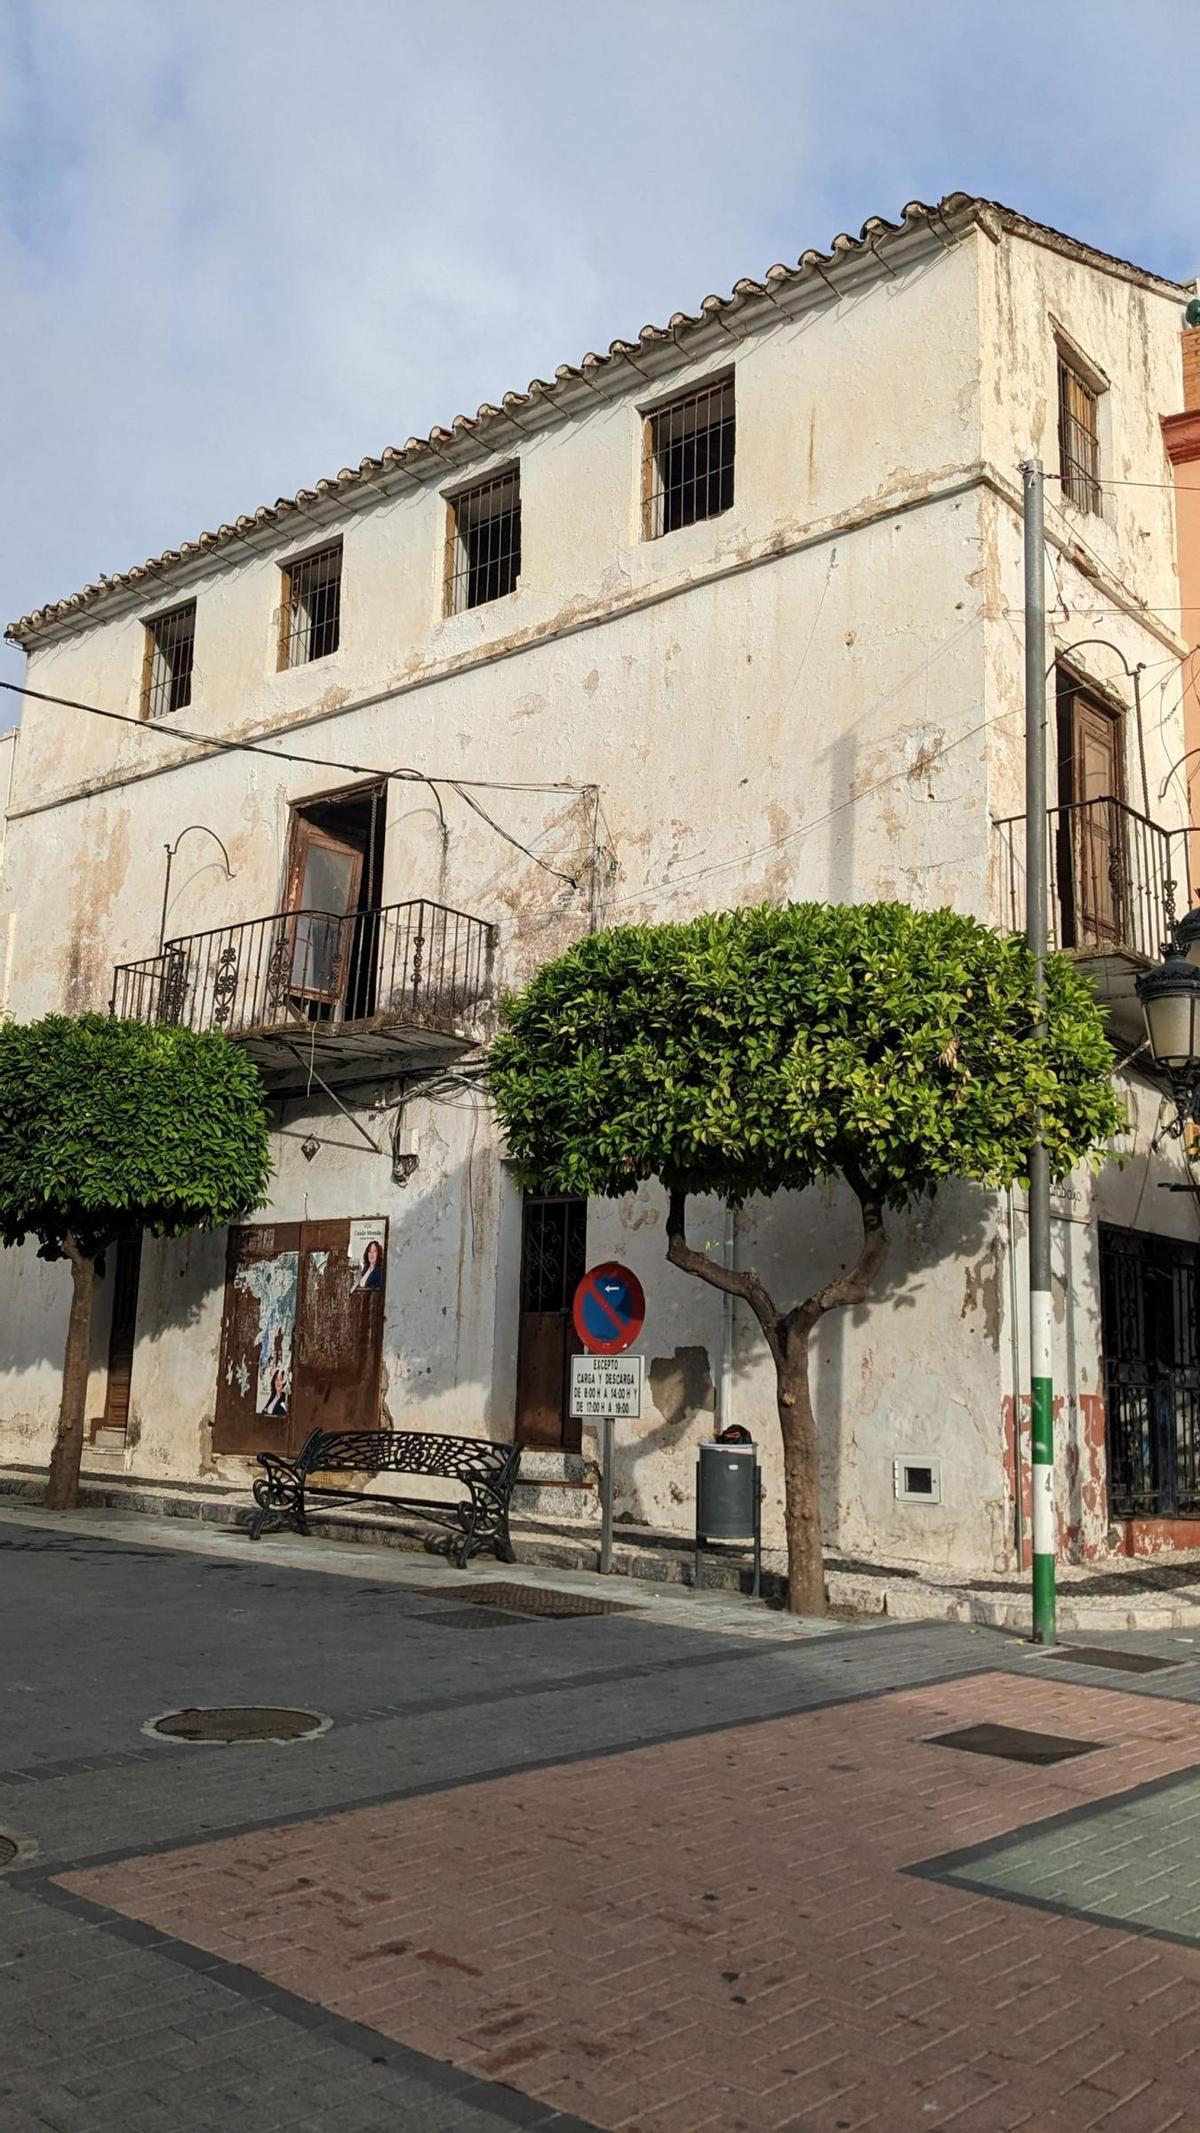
273,1285
366,1251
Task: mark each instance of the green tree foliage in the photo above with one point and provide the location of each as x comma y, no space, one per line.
750,1051
107,1126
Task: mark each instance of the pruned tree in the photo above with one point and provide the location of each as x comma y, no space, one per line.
107,1126
751,1052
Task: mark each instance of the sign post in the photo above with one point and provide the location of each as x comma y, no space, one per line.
608,1314
603,1388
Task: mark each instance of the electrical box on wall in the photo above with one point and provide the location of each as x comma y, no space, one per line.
917,1480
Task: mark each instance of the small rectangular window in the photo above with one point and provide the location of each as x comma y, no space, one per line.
170,649
312,607
1078,438
687,467
483,542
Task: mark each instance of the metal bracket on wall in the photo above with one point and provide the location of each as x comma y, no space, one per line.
333,1096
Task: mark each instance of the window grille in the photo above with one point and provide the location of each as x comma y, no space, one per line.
170,650
1078,439
483,546
312,607
687,469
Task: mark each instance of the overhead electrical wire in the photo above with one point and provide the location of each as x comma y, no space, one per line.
266,748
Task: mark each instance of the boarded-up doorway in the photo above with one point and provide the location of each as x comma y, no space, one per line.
302,1332
122,1337
553,1263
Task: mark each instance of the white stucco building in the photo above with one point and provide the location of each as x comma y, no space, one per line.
729,613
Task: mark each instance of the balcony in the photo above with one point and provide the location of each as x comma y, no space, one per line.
1117,883
313,995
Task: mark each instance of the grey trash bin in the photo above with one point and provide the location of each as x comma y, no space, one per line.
728,1497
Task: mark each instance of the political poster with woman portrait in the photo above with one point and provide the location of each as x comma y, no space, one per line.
366,1250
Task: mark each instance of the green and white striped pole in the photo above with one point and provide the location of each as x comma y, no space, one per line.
1045,1525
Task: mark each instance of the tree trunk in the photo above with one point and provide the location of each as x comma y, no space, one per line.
801,1475
63,1484
788,1335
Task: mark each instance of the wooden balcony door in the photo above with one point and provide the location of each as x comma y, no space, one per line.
1091,849
334,886
323,890
553,1262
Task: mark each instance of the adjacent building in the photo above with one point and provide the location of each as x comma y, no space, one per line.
730,612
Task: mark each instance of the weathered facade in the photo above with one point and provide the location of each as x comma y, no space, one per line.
731,613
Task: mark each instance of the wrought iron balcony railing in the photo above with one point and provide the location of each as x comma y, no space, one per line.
414,965
1117,880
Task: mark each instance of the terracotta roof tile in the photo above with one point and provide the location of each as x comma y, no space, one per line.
956,210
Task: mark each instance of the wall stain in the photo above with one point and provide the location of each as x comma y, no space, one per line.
682,1384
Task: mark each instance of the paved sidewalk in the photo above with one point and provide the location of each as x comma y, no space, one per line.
680,1869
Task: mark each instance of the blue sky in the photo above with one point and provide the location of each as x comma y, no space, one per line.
243,242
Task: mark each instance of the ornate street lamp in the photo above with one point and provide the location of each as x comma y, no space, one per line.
1170,997
1187,936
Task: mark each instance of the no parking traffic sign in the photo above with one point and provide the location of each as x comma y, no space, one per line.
610,1309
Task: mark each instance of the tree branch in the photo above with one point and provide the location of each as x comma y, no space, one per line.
746,1285
851,1287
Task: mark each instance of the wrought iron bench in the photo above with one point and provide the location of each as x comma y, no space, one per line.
478,1519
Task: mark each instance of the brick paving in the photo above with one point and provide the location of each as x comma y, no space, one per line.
719,1933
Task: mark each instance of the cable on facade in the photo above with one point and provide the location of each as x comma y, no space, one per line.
401,773
267,749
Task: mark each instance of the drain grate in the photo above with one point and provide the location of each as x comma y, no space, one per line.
227,1723
467,1618
1014,1743
1120,1662
531,1600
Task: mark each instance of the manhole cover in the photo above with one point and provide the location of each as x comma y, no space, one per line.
1120,1662
237,1722
8,1851
535,1600
1014,1743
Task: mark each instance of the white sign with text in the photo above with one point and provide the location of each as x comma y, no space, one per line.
606,1385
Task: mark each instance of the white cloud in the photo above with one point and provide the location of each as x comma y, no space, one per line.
243,242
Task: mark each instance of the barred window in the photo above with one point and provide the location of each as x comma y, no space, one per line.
312,607
167,673
1078,438
687,465
483,542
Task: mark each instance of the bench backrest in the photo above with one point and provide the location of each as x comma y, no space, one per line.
404,1451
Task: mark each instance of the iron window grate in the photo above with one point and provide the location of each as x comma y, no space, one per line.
170,650
687,470
312,607
483,544
1078,439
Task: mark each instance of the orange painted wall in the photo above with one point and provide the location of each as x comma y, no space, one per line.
1181,434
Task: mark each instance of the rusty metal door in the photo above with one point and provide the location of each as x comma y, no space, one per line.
302,1333
339,1331
255,1372
553,1262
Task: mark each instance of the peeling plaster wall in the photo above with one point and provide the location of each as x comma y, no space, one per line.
816,694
